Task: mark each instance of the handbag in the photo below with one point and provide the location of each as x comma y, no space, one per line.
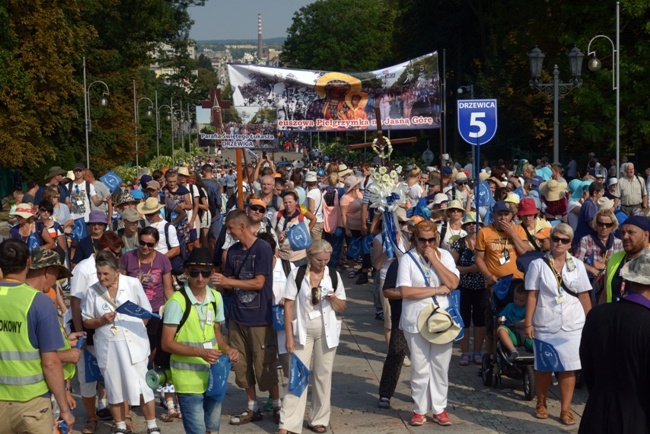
454,302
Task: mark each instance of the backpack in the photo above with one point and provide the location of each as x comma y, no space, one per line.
90,201
331,211
300,275
213,189
286,266
179,260
162,359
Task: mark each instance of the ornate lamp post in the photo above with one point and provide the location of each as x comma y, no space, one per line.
594,64
103,102
158,132
136,119
555,90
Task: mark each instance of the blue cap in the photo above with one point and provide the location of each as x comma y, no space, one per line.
500,206
536,181
321,172
639,221
137,194
447,170
144,179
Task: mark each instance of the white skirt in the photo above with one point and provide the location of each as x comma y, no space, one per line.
557,352
125,381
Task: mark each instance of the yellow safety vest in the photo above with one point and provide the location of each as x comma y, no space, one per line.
191,374
68,368
612,265
21,372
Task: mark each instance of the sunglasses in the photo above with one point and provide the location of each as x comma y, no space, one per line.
150,245
560,240
314,296
427,240
204,273
257,208
117,254
605,225
43,210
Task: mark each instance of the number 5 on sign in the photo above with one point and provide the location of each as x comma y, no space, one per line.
477,120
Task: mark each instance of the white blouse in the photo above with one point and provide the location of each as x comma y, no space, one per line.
303,306
125,327
409,274
551,316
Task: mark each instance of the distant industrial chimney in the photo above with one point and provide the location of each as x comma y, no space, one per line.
260,50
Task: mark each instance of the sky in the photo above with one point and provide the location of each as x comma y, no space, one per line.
237,19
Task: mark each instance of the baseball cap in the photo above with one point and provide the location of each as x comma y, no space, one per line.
131,215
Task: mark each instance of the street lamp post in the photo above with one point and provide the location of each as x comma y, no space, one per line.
103,101
555,90
136,120
469,87
594,64
158,132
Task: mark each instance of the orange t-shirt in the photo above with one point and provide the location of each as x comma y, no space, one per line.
493,242
51,292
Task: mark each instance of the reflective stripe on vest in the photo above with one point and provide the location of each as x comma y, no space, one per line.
612,265
21,371
68,368
190,374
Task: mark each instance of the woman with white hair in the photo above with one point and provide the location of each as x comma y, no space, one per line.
558,302
313,295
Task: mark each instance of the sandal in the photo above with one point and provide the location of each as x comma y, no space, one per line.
318,428
566,417
246,416
477,358
464,359
90,427
171,415
276,415
129,424
541,412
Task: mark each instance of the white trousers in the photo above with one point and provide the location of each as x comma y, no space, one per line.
429,373
293,407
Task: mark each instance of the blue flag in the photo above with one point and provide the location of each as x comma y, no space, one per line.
298,376
111,180
132,309
92,367
79,229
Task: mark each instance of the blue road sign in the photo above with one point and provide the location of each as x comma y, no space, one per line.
477,120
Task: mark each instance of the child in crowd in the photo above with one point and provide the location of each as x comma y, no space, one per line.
509,333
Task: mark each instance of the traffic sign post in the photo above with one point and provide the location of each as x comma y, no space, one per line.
477,125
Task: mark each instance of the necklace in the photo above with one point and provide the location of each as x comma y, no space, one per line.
142,277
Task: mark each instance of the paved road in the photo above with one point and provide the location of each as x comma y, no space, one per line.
473,408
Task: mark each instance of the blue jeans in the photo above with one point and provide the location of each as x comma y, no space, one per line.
200,413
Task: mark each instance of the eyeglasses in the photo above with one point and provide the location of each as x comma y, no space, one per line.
78,170
427,240
144,243
117,254
605,225
557,239
257,208
314,296
204,273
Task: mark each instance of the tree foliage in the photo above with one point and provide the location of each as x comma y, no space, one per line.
340,35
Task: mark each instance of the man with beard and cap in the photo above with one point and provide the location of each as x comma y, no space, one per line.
615,356
635,235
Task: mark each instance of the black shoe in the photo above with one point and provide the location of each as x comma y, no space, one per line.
514,355
379,316
363,279
104,414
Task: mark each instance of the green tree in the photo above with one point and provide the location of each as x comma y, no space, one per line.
340,35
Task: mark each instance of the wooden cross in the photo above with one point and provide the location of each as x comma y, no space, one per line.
215,104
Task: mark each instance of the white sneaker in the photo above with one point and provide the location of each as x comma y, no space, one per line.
407,361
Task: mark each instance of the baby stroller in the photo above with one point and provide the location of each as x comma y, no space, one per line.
519,369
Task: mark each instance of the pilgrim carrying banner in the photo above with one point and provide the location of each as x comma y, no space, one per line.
407,95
